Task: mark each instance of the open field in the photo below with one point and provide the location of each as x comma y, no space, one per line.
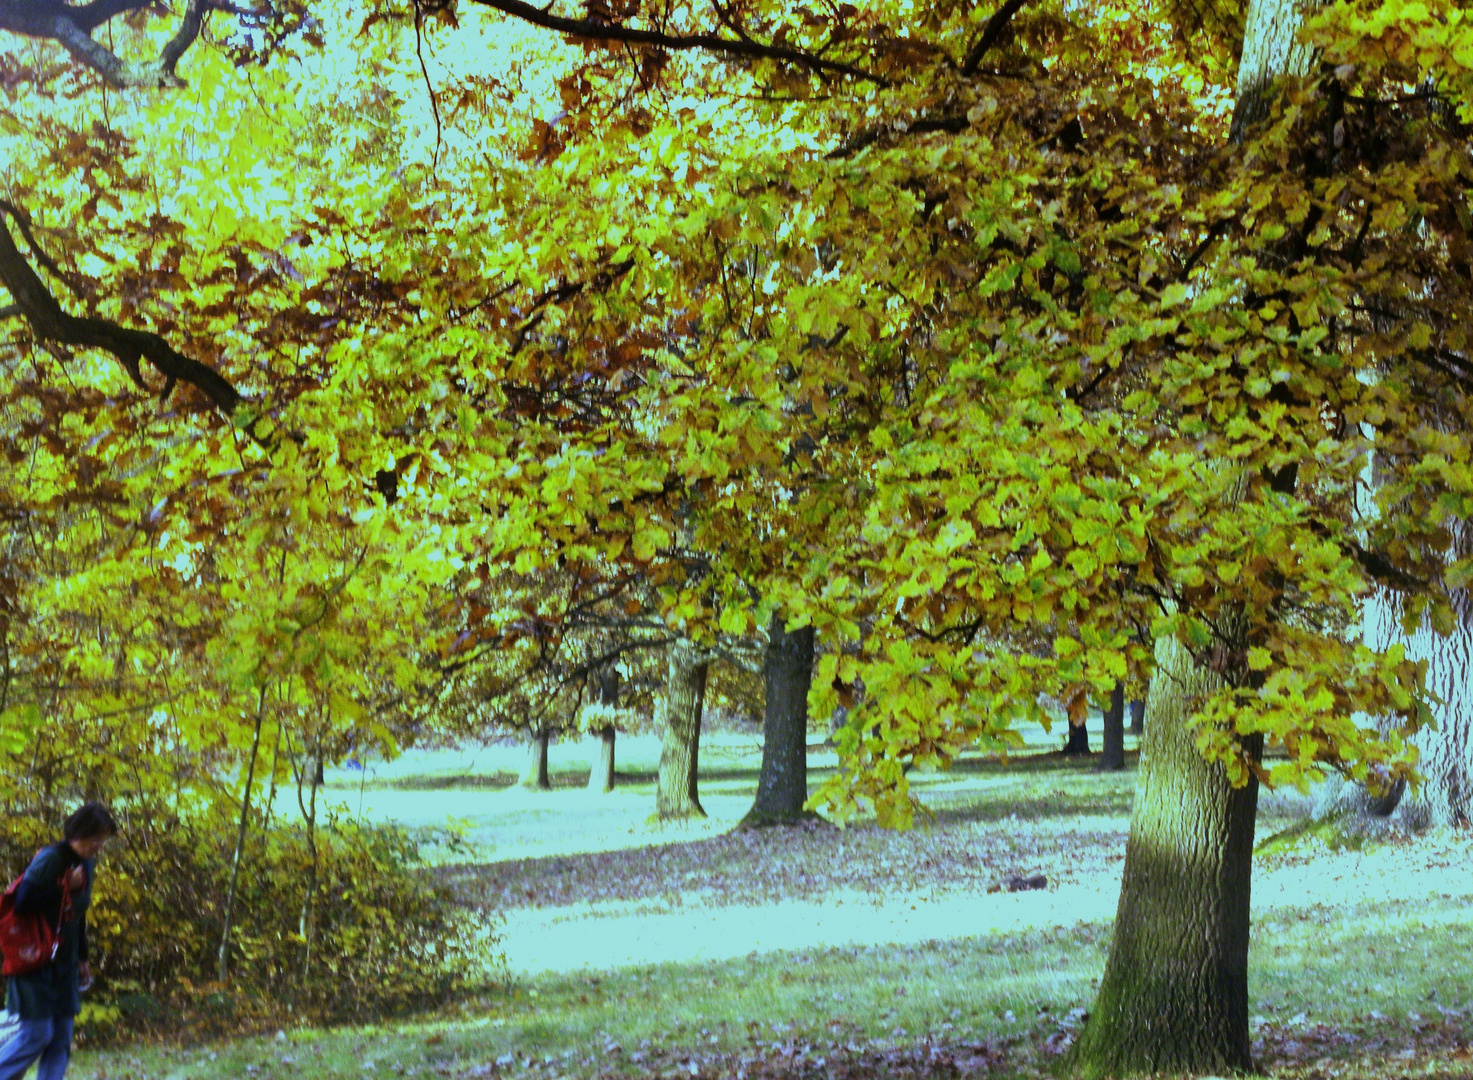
825,952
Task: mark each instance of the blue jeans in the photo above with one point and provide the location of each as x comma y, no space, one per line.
49,1039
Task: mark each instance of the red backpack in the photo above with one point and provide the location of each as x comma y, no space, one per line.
28,942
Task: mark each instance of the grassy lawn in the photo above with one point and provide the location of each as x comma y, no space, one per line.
824,952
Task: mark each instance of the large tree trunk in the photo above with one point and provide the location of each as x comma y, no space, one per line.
676,797
782,786
1174,996
601,776
1112,741
536,775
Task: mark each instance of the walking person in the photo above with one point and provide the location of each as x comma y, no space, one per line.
47,1001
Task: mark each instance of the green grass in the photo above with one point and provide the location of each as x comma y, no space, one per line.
1343,987
877,997
1351,996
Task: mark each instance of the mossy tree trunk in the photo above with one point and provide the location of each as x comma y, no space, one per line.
1174,997
1112,741
536,775
782,786
601,777
676,795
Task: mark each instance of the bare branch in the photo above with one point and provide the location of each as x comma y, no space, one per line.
50,323
591,30
926,125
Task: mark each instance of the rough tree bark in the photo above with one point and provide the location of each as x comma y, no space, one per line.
601,777
1112,742
1174,996
1445,797
536,775
782,786
1446,794
676,796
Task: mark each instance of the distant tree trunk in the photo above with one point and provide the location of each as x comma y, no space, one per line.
601,776
782,786
1112,744
676,797
536,775
1446,794
1174,997
1138,718
1446,763
1078,741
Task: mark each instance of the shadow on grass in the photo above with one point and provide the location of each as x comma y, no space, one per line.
1036,765
491,781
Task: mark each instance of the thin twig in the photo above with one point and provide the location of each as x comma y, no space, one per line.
429,87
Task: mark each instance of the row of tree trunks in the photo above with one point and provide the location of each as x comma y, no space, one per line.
1112,746
782,787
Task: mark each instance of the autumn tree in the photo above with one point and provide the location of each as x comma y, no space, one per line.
993,345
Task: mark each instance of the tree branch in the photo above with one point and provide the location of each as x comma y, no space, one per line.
90,16
72,28
50,323
991,35
926,125
591,30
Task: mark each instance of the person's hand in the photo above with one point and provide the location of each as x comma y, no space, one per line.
84,976
76,878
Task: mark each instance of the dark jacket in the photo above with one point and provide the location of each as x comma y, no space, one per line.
52,991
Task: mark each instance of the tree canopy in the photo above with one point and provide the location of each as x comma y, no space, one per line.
989,342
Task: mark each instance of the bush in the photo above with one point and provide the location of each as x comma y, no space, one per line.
362,930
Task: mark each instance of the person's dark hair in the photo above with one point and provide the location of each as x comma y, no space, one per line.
88,822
